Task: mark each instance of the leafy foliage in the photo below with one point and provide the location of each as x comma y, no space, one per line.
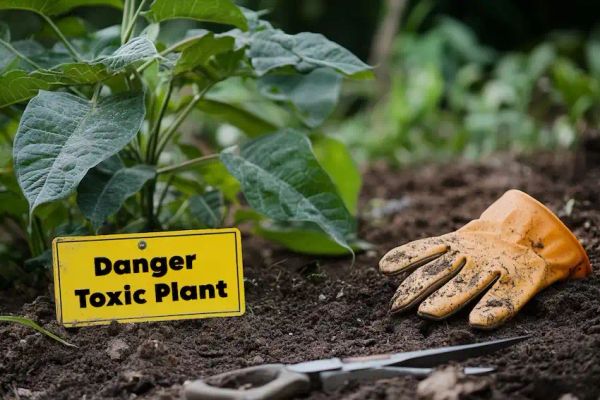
450,95
105,188
106,114
62,136
218,11
282,179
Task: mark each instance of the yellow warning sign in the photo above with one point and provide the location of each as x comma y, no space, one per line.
148,277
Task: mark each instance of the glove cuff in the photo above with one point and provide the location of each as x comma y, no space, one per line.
528,222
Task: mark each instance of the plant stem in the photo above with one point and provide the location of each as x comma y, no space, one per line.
187,164
150,189
166,137
163,195
125,19
178,213
151,155
96,94
62,38
20,55
131,25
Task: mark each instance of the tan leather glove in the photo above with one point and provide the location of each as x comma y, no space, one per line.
516,248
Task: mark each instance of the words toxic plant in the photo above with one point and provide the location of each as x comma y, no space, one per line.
99,114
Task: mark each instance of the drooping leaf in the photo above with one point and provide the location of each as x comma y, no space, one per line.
306,238
250,123
313,95
77,73
104,190
18,86
208,208
272,49
282,179
55,7
31,324
198,54
218,11
336,160
62,136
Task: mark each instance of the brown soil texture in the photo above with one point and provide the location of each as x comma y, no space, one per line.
302,307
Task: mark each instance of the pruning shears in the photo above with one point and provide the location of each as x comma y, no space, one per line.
282,381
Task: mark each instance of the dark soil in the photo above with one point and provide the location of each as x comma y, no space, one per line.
302,308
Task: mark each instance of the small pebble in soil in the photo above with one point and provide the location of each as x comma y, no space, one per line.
257,360
116,348
322,297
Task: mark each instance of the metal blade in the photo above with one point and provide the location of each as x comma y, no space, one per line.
434,357
316,366
442,355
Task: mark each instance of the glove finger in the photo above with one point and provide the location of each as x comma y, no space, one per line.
412,255
425,280
458,292
505,299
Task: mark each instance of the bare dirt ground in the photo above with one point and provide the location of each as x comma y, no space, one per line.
302,308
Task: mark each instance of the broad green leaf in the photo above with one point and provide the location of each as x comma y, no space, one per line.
244,95
18,86
31,324
54,7
272,49
218,11
137,49
104,190
313,95
336,160
250,123
73,74
282,179
208,208
198,54
306,238
62,136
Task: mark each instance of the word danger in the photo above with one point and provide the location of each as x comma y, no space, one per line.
158,265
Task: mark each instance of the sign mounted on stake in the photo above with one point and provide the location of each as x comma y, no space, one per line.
148,277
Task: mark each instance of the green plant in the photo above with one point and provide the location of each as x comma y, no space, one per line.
107,112
453,96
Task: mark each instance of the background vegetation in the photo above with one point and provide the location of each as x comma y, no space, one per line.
453,79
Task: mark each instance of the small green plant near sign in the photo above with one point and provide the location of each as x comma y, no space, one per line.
92,122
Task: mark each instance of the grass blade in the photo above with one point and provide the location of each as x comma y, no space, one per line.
31,324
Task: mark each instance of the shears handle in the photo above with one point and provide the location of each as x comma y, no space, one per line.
270,381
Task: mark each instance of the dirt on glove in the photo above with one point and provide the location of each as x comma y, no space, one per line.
302,307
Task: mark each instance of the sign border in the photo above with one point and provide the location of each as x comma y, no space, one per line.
149,235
